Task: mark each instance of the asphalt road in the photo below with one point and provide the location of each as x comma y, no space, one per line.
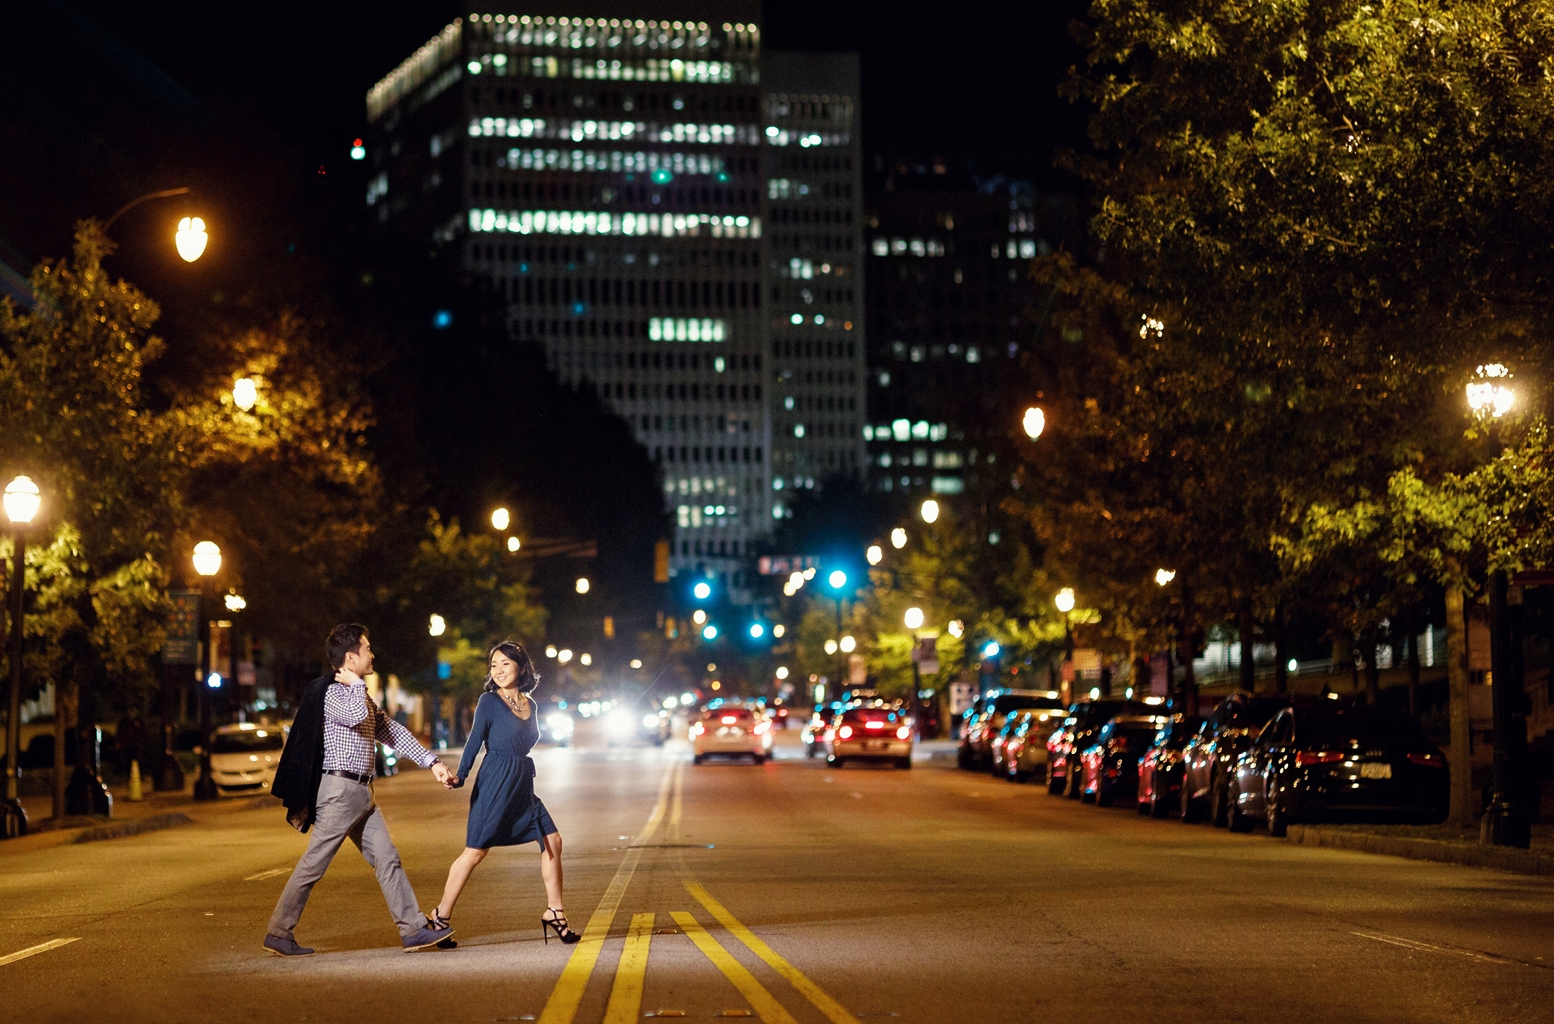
788,892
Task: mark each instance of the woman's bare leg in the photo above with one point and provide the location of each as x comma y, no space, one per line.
550,870
458,874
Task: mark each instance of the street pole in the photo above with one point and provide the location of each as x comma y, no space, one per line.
1506,819
205,785
15,816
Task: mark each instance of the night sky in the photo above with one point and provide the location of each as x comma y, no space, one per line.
289,77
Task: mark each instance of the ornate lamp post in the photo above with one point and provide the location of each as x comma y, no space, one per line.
1507,821
436,626
21,504
207,562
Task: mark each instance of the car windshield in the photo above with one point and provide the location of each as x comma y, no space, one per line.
247,742
1362,726
1008,702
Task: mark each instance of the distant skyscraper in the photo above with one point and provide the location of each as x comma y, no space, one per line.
605,176
814,268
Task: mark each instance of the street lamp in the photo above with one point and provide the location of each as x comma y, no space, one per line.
1164,576
1064,602
500,519
191,239
1035,422
930,511
513,544
245,393
207,563
875,554
913,618
22,499
831,647
436,626
898,538
582,584
847,645
1507,819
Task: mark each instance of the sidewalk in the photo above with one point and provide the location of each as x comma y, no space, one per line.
157,810
1441,843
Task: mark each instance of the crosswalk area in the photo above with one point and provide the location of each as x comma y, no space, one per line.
664,934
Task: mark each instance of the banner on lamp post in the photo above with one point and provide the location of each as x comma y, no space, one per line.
182,646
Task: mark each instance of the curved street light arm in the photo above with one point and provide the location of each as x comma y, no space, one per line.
127,207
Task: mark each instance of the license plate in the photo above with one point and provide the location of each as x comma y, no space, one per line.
875,745
1375,771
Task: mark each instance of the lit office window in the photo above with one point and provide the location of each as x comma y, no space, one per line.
592,222
580,131
621,161
686,329
881,246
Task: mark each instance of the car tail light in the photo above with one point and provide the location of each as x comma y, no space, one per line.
844,732
1120,744
1310,757
1432,760
903,733
729,719
874,725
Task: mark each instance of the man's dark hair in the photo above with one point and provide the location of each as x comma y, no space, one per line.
343,639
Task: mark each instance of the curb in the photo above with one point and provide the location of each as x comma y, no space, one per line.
133,828
1498,857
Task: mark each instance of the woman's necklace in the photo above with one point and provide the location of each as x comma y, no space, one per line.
519,704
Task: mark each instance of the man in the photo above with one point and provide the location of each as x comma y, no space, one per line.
325,780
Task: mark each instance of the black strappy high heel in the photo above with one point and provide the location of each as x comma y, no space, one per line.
559,925
435,920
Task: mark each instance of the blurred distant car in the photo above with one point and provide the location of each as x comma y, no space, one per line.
1111,763
636,724
243,758
1076,734
870,734
976,738
1160,769
1318,762
814,734
731,731
1210,756
557,726
1025,751
997,750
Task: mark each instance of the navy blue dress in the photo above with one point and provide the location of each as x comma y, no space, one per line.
503,810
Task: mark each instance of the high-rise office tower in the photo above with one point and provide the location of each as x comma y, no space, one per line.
603,174
814,268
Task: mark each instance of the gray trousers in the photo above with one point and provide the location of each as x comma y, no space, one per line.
346,809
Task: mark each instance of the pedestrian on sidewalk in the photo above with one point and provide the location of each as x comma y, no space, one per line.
503,808
325,780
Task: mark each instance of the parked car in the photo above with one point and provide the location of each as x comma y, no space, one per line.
243,758
731,731
870,734
1160,769
1025,752
1077,732
1111,764
1210,756
976,739
1317,762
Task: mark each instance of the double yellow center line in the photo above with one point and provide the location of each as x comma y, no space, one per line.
625,1003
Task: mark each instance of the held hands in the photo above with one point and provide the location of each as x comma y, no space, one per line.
441,773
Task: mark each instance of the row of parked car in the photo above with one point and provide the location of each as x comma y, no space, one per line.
1252,759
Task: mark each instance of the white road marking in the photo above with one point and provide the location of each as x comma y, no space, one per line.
35,950
1425,947
268,874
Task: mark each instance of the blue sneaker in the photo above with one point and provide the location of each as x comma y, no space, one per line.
285,947
425,938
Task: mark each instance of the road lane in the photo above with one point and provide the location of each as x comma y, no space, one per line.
930,895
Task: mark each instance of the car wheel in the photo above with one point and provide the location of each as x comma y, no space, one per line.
1278,824
1219,804
904,763
962,759
1189,808
1234,819
1054,783
1073,786
1103,796
1156,808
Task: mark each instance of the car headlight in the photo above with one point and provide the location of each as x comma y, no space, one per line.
617,723
560,725
650,721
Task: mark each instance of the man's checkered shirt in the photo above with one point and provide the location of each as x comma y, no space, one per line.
352,723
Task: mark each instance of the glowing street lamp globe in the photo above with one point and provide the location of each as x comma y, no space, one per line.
513,544
207,558
437,626
245,393
500,518
22,499
1490,394
1164,576
875,554
898,538
702,591
582,584
837,579
930,511
830,646
913,618
1035,422
1065,600
782,672
847,645
191,238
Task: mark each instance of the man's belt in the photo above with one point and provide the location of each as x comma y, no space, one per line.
365,780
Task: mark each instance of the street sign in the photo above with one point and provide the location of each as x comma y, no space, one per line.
961,696
926,654
182,646
857,670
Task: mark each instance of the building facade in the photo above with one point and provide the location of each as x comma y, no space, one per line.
616,180
950,306
813,166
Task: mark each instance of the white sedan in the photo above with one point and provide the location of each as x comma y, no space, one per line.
243,758
731,731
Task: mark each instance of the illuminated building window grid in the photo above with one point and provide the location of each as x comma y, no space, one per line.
616,34
702,72
599,222
579,130
614,161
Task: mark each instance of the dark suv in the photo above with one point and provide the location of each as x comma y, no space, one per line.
1077,732
1210,757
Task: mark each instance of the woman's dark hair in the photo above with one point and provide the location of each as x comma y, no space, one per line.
528,679
343,639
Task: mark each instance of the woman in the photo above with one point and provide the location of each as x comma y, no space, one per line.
503,810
